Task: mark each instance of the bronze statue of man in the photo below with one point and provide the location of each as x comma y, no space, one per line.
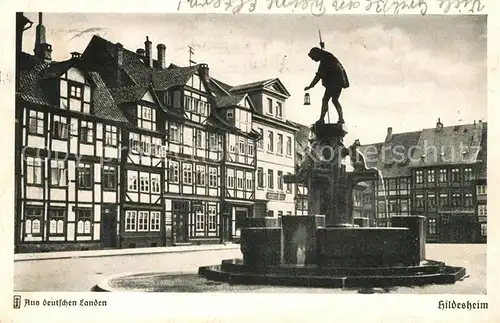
333,77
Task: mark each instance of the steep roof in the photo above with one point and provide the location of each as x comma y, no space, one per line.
30,80
482,157
228,100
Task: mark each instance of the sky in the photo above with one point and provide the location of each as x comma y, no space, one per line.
405,71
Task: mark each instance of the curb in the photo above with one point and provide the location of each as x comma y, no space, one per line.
119,252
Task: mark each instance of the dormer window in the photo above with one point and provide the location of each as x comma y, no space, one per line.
279,110
269,106
146,117
230,114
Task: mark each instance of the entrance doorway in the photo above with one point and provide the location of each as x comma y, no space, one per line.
180,211
108,227
239,216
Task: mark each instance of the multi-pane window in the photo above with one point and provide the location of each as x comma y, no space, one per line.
393,205
468,199
280,180
443,199
200,220
212,177
279,110
260,177
199,140
60,127
404,205
250,149
155,183
155,221
110,136
456,199
135,142
84,221
34,171
200,175
230,178
280,144
431,176
109,176
175,132
404,185
146,117
270,141
455,175
249,182
431,226
260,143
157,148
431,200
144,182
33,220
86,132
58,173
36,123
145,145
239,180
75,91
419,176
187,173
468,174
143,221
173,171
212,217
57,216
84,176
269,106
289,146
132,182
288,185
213,143
443,175
130,220
270,179
481,190
419,201
241,146
484,229
481,210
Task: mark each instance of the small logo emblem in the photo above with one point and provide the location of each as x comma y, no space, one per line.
17,302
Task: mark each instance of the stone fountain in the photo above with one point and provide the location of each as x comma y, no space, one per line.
326,248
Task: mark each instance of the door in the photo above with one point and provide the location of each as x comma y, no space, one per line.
181,215
108,227
226,228
239,216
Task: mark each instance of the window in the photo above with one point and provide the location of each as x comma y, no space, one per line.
212,217
269,106
239,180
132,181
86,132
468,174
84,176
270,141
249,181
134,142
468,199
455,175
144,182
431,200
270,213
199,140
200,220
109,177
443,175
154,221
146,117
213,142
260,177
157,148
110,136
250,149
456,199
260,143
187,171
173,171
279,110
381,208
230,178
143,221
60,128
484,229
280,180
404,205
75,91
289,146
58,173
241,147
200,175
443,199
481,189
84,221
57,216
175,132
419,201
289,185
288,212
280,144
230,114
155,183
212,177
280,214
33,220
145,144
270,179
36,123
431,226
393,206
419,176
431,176
130,220
481,210
34,171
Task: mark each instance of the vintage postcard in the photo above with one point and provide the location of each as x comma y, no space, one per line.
205,160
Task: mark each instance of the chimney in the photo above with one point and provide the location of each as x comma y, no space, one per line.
204,72
389,134
149,49
161,55
439,125
42,49
141,52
